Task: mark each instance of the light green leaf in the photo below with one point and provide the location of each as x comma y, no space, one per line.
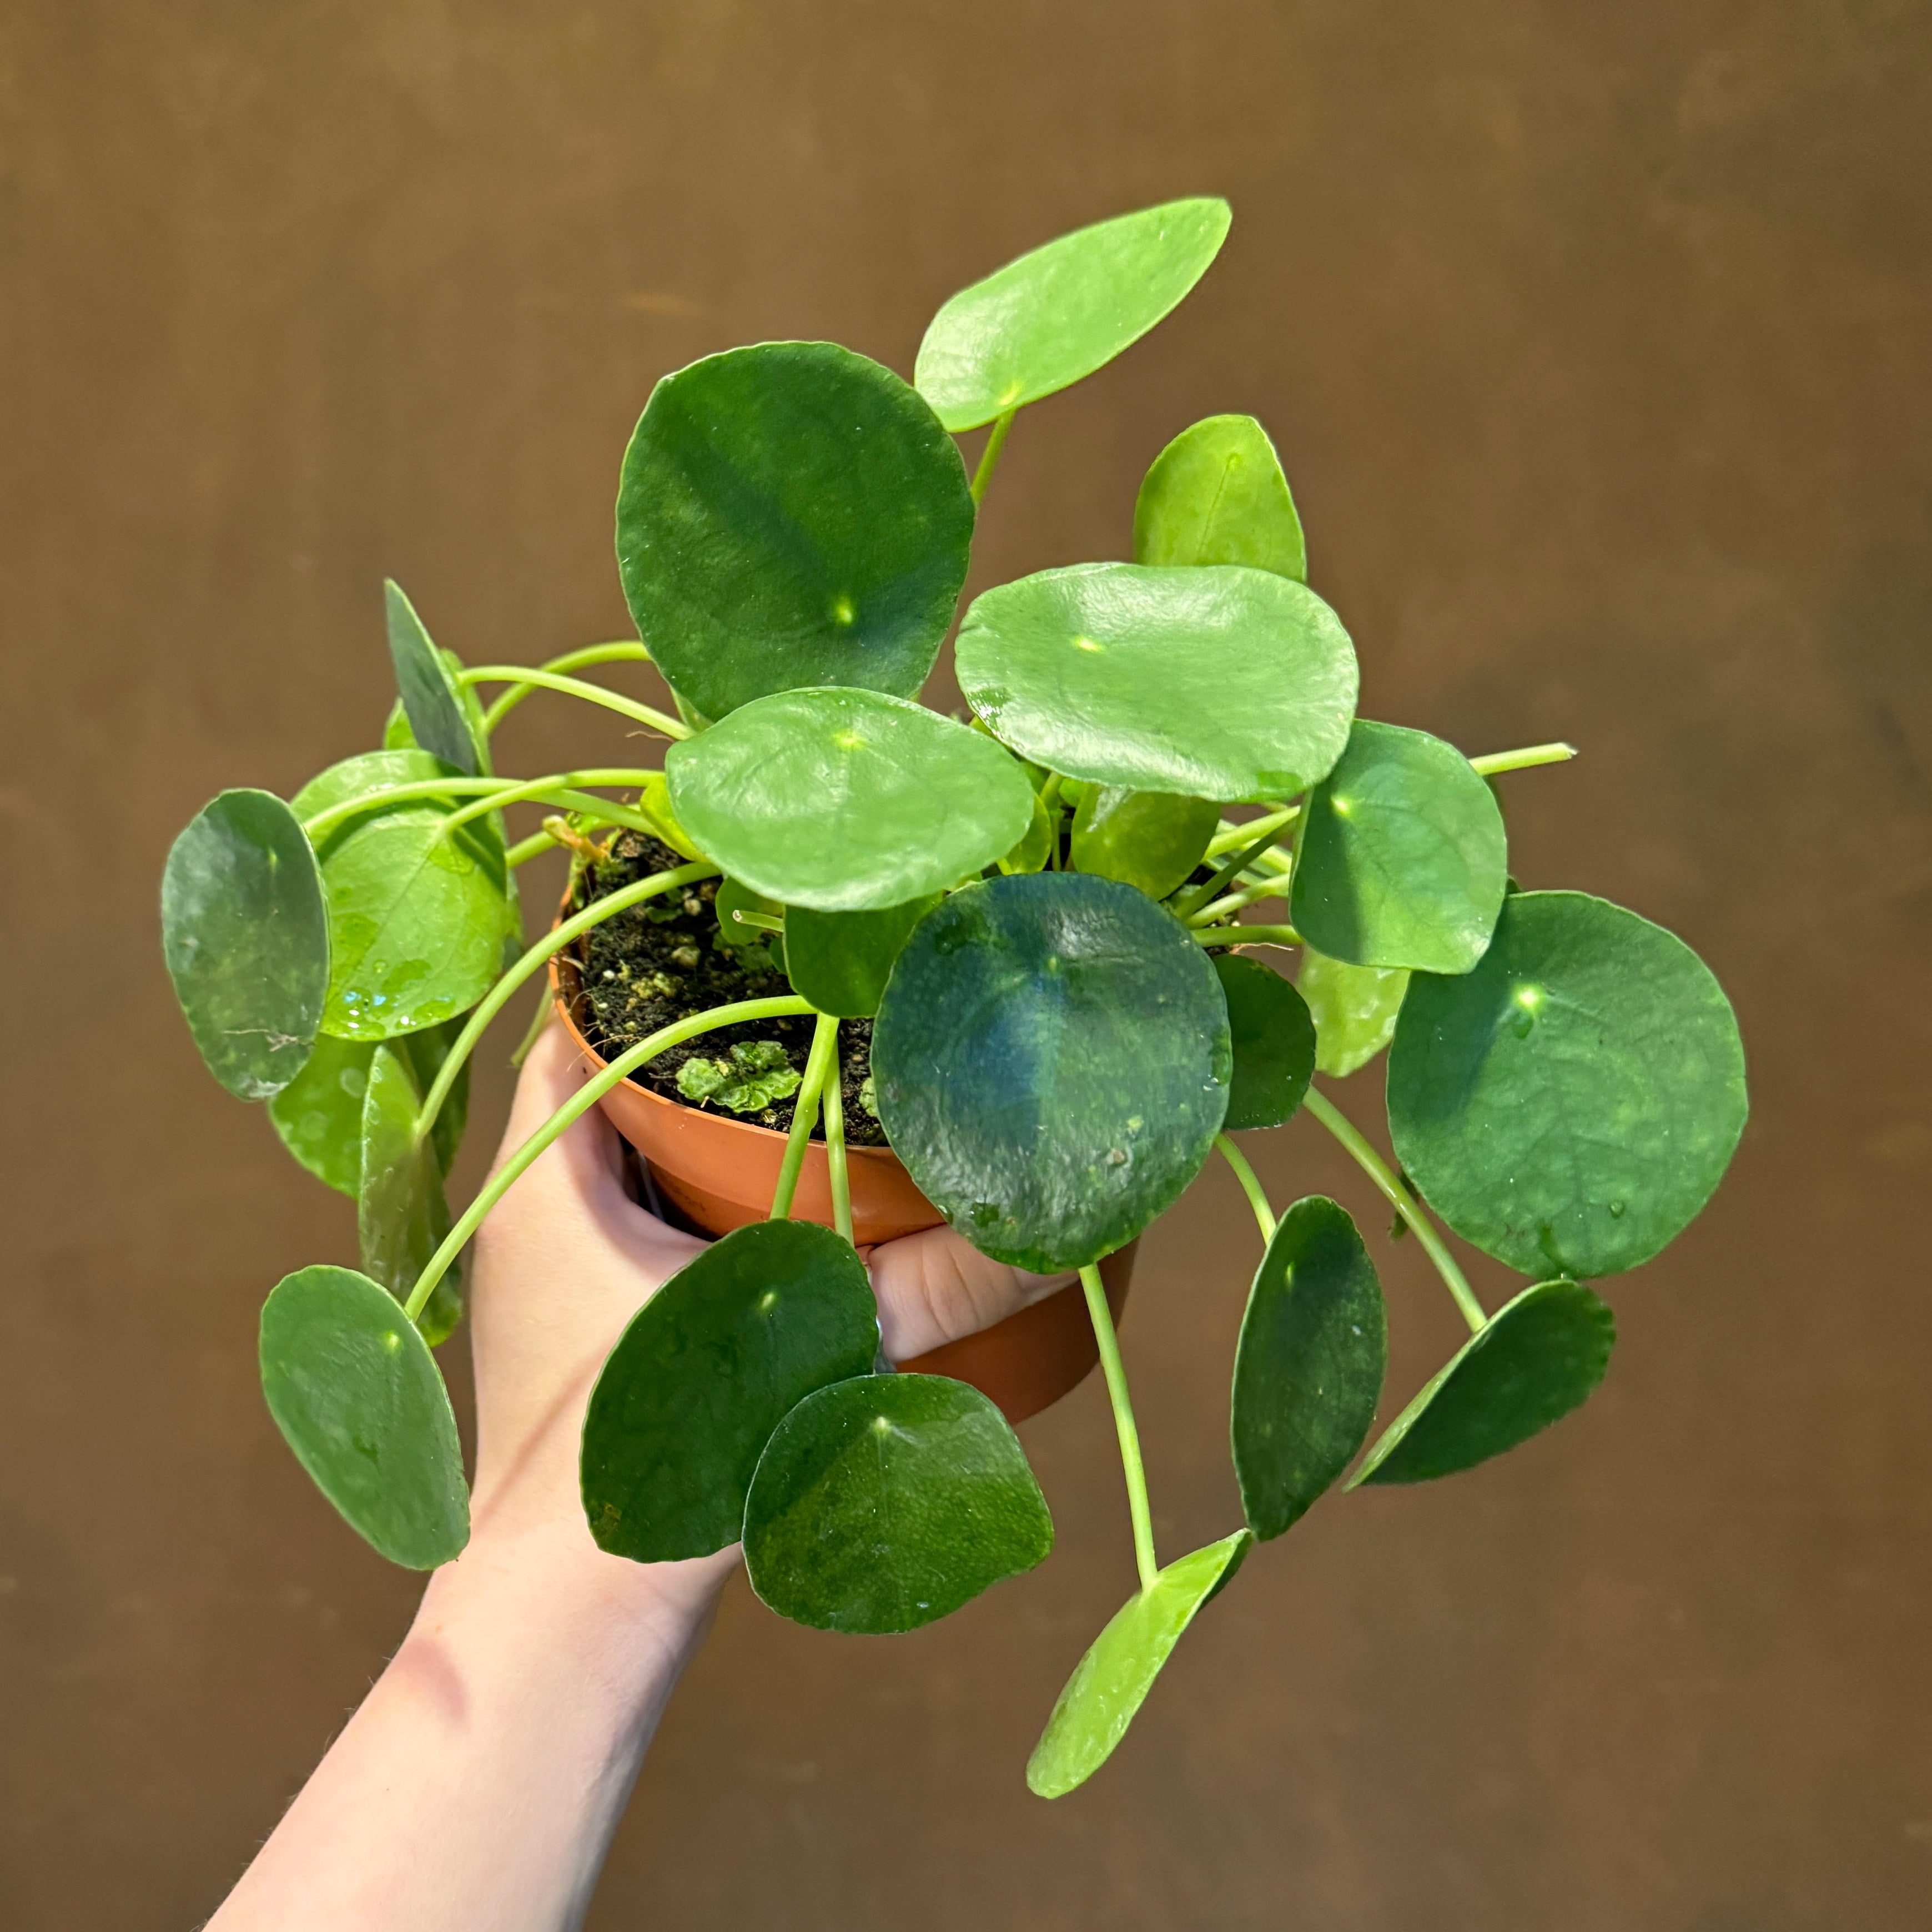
1151,840
1215,494
1354,1009
1308,1371
1063,311
1534,1361
1273,1041
709,1367
356,1393
1401,861
748,1078
246,941
1033,850
843,801
440,721
1052,1060
887,1501
1111,1681
1572,1103
841,961
1219,683
791,514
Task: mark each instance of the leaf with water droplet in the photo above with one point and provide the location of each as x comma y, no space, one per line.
246,941
791,514
1220,682
356,1393
1215,494
1354,1009
1111,1681
1273,1040
841,961
886,1502
1535,1360
440,721
844,801
1052,1057
1064,310
1150,840
1590,1058
709,1367
1308,1370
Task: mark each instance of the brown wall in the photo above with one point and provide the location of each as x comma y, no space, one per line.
1594,338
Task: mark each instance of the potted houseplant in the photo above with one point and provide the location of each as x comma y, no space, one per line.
845,966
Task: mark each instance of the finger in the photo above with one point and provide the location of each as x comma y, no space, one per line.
934,1288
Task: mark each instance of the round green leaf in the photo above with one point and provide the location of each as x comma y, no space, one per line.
354,1390
1273,1041
440,721
708,1368
1571,1104
791,514
841,961
1534,1360
1111,1682
246,941
1219,683
418,920
846,800
1402,860
1032,853
1308,1371
1064,310
1354,1009
886,1502
1051,1060
1215,494
1151,840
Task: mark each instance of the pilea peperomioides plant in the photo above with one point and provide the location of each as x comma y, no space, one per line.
1011,949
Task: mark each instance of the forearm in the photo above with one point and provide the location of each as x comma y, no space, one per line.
479,1784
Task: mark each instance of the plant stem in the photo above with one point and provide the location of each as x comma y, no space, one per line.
631,652
546,1012
1231,835
1491,762
834,1143
534,846
1247,935
1102,1317
1185,907
804,1114
540,790
490,794
580,1103
1275,888
989,457
1399,1197
493,1001
575,687
1250,1185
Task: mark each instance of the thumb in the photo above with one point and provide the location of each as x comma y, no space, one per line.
935,1287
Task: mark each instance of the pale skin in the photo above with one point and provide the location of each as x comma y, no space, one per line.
518,1708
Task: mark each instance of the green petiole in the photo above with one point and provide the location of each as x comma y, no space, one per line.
836,1169
1275,888
491,794
1491,762
628,653
1185,908
580,1103
805,1113
1250,1185
499,995
1247,935
989,457
1399,1197
1141,1517
1230,835
538,791
529,675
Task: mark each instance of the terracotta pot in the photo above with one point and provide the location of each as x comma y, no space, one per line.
720,1173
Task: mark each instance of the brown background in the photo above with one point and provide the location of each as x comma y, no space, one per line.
1594,338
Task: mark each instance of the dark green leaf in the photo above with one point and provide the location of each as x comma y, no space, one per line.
1052,1060
400,1215
1152,840
1273,1040
1354,1009
353,1388
791,514
841,961
418,920
1402,860
1534,1361
1111,1682
1063,311
246,939
708,1368
886,1502
426,1050
440,721
1219,683
1308,1371
1216,494
847,800
1571,1104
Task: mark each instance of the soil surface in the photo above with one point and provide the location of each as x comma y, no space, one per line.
664,960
